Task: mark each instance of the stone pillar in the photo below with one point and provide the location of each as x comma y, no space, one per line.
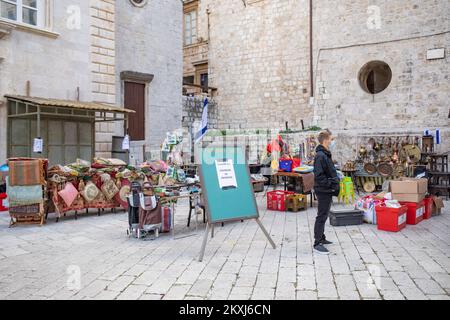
103,64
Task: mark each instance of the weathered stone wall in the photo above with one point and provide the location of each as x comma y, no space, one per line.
193,111
258,58
349,34
194,54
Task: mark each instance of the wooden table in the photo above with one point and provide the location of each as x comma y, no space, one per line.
439,181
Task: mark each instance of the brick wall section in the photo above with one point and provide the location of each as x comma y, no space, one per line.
103,55
259,61
417,97
258,58
193,54
193,111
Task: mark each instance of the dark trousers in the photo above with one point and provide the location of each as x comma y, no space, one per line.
323,210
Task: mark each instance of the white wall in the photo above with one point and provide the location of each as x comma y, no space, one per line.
55,67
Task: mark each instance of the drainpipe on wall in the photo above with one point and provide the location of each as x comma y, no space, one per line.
208,12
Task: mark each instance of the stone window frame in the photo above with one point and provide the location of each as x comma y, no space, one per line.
139,5
189,8
45,20
20,6
369,68
200,69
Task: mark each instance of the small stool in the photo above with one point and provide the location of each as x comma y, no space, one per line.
347,191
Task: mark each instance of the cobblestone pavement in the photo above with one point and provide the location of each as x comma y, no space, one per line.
44,262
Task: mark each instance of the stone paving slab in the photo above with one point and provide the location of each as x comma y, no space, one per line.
93,258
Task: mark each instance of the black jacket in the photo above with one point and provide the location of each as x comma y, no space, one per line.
325,175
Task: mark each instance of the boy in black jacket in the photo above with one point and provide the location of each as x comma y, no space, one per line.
326,185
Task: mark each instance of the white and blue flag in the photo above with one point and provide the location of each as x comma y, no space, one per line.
204,124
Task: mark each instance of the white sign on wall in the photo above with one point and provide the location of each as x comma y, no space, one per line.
226,174
126,143
38,145
435,54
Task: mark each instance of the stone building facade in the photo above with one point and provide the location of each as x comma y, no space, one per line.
404,35
260,61
149,42
80,50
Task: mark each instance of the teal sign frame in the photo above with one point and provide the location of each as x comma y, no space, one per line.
229,203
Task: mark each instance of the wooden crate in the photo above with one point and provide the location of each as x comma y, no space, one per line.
296,202
37,218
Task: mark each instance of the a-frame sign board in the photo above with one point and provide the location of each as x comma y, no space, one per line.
227,189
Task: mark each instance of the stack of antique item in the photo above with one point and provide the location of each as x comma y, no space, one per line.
438,167
383,158
34,190
105,184
416,177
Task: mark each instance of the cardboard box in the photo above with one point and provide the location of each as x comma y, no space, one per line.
409,186
380,196
408,197
438,204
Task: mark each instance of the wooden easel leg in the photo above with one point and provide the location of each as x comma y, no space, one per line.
205,239
266,233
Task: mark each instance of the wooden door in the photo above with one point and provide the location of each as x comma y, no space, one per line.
135,100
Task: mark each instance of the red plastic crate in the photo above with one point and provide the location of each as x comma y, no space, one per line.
415,212
391,219
2,197
276,199
428,207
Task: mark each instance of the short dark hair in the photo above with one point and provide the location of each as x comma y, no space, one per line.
323,135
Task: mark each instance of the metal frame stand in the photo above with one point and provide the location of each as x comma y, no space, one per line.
208,226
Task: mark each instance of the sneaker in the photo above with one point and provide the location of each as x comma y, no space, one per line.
320,249
325,241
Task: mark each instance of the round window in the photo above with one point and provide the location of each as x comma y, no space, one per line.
375,76
139,3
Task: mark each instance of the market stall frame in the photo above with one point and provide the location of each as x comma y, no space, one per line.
39,108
